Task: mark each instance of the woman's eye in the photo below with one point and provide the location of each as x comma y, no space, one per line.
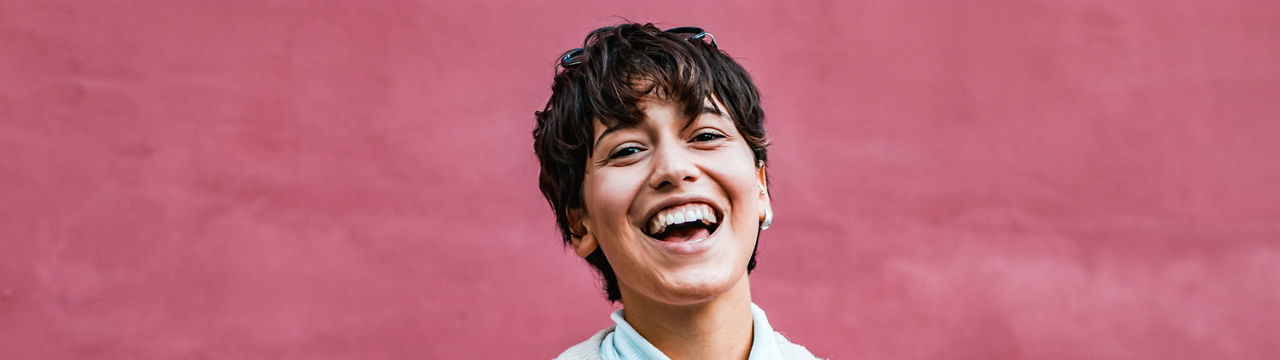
624,152
707,136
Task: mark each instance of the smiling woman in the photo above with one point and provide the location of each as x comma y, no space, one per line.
652,149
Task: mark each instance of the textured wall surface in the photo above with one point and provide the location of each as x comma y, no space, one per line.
355,180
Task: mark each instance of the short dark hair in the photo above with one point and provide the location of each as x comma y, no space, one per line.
617,67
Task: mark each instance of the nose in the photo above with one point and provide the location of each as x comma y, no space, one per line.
671,167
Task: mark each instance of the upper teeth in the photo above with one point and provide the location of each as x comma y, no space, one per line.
682,214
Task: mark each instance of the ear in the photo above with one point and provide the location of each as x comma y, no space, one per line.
583,242
763,180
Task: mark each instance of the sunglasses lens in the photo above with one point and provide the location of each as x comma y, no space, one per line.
693,33
572,58
688,30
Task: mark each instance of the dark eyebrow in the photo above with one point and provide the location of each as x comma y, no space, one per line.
610,129
706,109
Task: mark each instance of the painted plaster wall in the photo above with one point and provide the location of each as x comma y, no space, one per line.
355,180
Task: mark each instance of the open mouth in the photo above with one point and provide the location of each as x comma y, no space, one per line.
688,222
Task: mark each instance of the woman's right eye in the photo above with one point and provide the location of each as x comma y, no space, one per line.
624,152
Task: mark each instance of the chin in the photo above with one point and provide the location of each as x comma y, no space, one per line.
695,286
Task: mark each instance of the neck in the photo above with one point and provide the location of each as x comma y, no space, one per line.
718,328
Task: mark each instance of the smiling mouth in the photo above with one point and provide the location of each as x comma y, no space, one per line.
688,222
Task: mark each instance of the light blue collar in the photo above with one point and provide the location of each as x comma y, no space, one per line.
624,343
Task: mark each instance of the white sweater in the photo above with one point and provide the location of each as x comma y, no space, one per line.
631,345
590,349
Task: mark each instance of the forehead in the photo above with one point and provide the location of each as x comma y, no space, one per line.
710,105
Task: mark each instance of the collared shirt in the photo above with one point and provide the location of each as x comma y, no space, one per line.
625,343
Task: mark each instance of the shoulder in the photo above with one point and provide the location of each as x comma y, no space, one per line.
790,350
586,350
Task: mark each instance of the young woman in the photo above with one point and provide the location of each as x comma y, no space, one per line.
652,150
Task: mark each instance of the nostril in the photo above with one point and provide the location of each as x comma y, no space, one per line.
671,170
669,183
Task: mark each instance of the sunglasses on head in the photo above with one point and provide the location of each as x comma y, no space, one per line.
574,57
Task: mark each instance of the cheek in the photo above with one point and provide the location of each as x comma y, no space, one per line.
740,174
607,195
742,185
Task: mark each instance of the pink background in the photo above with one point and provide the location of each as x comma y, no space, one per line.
355,180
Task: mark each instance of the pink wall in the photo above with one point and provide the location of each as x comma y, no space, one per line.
351,180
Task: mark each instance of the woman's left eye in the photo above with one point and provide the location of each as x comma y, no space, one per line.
624,152
708,136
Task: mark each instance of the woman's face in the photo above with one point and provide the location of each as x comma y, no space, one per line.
674,203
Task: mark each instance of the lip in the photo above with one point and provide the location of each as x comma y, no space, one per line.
684,247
